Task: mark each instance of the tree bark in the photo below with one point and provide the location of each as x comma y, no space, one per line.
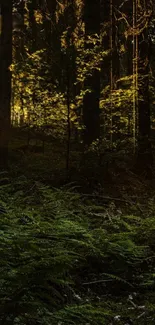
32,21
91,111
5,79
144,155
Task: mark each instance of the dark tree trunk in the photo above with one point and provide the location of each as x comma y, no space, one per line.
52,34
32,21
19,53
50,26
91,111
115,71
52,40
5,79
144,157
105,64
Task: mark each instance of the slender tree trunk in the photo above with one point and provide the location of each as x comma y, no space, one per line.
135,71
144,157
68,120
32,21
115,71
19,54
91,111
69,68
49,22
5,79
105,65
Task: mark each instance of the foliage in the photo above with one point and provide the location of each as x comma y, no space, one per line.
66,260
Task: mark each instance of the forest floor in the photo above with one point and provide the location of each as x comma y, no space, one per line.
113,178
77,245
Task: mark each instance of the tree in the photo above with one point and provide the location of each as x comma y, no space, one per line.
91,111
32,5
5,78
141,43
144,157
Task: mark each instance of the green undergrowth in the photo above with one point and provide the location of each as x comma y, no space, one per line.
65,260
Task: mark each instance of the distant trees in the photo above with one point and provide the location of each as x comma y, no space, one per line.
5,78
81,66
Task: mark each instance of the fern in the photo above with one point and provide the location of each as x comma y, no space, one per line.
59,266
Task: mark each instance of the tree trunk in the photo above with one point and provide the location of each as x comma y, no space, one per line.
144,156
32,21
49,22
91,111
5,79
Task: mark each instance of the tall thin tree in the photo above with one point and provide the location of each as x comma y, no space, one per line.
5,78
91,111
144,157
135,72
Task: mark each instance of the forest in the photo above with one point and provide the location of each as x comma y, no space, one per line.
77,173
